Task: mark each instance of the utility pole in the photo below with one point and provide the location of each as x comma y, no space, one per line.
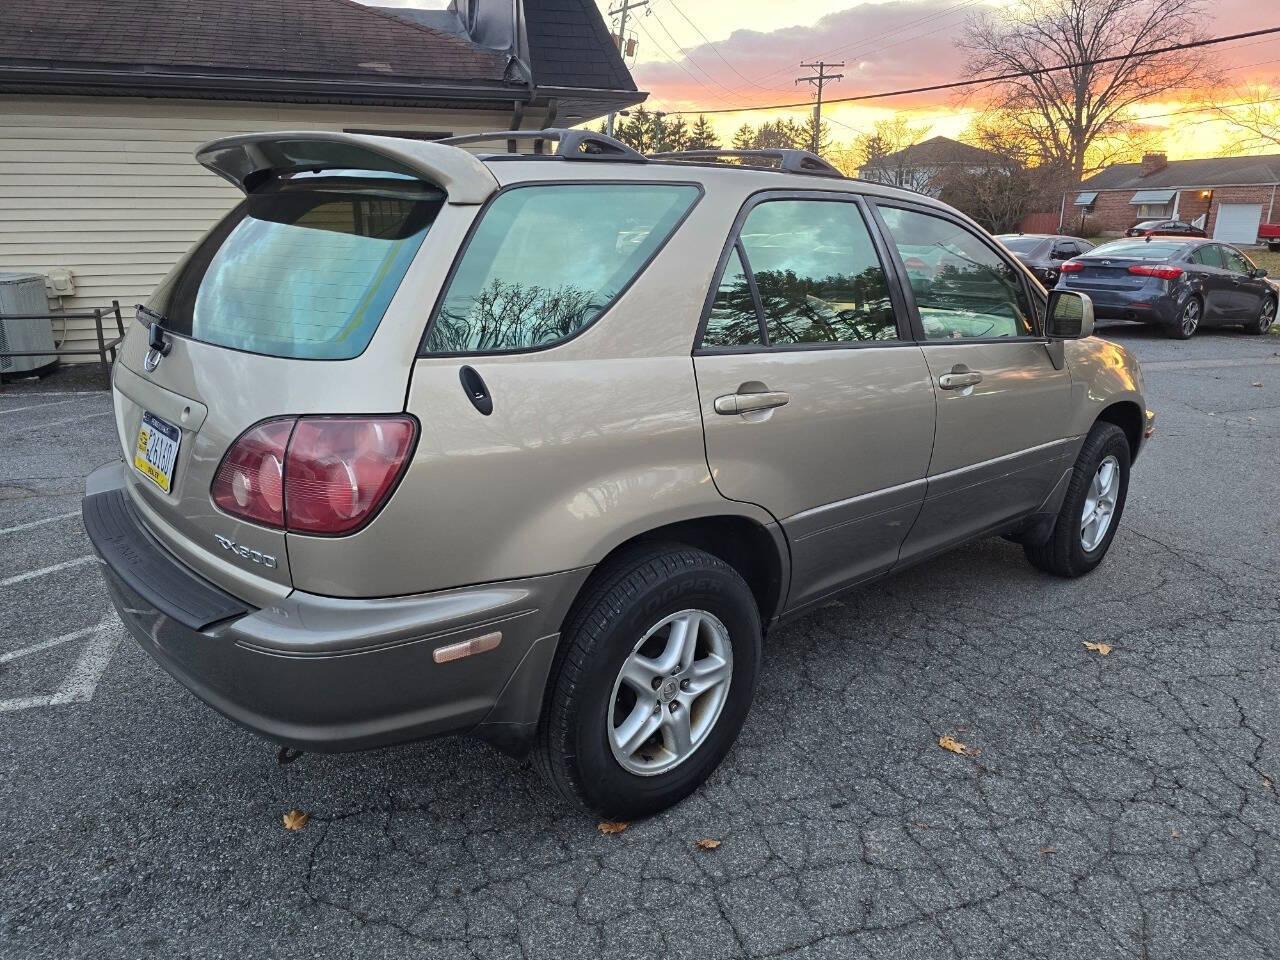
622,10
819,80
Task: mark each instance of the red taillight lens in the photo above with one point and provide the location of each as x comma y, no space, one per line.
324,475
250,480
339,470
1164,273
1072,266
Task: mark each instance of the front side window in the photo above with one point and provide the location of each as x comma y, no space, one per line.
1235,261
303,267
962,288
817,273
547,260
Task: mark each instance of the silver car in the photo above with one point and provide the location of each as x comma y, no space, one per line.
535,445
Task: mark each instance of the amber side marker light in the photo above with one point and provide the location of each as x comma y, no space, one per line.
467,648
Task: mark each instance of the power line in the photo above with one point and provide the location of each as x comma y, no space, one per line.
662,50
626,8
1020,74
714,48
819,80
689,58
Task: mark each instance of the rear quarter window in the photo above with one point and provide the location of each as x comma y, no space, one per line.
546,260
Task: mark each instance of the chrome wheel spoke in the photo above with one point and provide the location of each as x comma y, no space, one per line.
641,724
682,642
705,674
1100,503
638,673
676,732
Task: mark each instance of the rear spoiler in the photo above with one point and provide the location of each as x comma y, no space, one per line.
249,159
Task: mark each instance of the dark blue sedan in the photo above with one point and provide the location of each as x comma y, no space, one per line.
1179,284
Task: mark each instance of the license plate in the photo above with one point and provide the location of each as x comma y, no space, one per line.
157,450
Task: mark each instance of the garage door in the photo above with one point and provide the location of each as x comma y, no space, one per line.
1238,222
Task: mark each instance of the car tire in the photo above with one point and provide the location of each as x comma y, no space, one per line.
1266,316
1188,321
590,704
1074,547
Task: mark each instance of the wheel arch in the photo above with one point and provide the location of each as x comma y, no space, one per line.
1127,415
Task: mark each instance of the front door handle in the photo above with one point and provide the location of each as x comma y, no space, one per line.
959,378
732,403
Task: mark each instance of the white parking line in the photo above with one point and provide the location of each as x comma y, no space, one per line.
79,419
46,644
82,681
32,574
36,406
39,523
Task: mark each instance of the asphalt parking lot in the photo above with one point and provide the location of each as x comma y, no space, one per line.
1108,806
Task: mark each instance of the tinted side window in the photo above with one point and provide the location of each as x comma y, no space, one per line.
733,321
1210,255
817,273
962,288
547,260
1235,260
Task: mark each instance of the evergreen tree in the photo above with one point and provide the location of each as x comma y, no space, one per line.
703,135
745,138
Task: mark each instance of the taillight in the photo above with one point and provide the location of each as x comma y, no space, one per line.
318,475
1072,266
1164,273
250,480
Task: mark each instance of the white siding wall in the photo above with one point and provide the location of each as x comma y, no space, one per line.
109,188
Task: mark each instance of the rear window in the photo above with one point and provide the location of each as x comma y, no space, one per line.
1023,245
547,260
1139,249
303,267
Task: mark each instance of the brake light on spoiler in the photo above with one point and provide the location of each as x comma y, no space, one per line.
323,475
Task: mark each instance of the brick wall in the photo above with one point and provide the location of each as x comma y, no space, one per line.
1114,214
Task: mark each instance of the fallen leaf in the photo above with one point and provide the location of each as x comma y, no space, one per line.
611,826
296,820
922,826
706,843
1257,383
1174,832
1048,849
1266,782
949,742
1102,648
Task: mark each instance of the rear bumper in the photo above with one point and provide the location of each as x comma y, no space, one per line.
323,673
1110,305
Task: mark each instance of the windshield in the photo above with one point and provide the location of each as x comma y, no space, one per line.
1023,245
304,267
1138,249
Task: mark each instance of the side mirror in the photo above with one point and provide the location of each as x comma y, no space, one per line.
1260,272
1070,315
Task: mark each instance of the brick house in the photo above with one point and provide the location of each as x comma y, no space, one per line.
1228,196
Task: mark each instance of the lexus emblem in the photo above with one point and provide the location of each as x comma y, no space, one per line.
151,360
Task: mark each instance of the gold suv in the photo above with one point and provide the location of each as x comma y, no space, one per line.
535,444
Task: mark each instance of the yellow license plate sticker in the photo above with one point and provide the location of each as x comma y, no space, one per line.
156,453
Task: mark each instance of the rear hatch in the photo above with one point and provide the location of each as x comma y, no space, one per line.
1104,274
309,298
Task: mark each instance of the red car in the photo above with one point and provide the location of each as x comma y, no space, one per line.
1269,233
1150,228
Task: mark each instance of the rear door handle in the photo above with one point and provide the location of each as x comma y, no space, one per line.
959,378
732,403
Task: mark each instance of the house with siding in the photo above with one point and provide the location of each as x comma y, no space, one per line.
1229,197
102,106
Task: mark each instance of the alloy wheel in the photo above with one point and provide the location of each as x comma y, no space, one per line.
1268,315
1100,504
669,693
1190,317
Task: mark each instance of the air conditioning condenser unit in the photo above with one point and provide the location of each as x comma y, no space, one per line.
23,294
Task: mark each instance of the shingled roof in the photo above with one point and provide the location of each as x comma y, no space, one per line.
941,152
329,51
1208,172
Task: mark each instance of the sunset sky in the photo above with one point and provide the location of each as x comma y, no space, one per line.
725,53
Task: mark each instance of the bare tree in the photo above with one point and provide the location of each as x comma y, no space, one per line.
1080,119
1251,113
881,156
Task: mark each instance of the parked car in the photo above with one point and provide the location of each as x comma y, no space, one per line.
1179,285
421,440
1151,228
1044,253
1269,236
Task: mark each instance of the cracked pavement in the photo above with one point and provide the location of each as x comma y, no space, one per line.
1112,806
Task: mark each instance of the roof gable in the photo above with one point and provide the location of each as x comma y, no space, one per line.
942,151
570,46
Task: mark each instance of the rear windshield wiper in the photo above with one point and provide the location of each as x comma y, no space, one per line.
155,330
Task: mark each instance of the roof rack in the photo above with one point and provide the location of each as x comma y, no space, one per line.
789,161
570,144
